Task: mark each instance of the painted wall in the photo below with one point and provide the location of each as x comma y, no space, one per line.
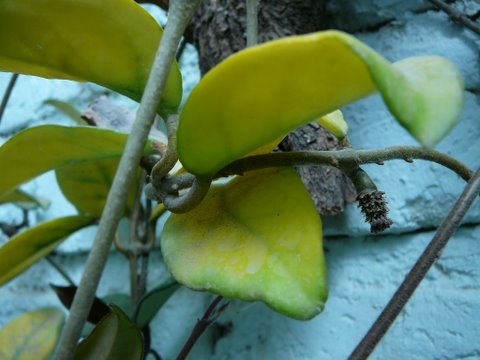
441,321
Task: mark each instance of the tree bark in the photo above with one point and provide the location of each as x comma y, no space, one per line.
219,30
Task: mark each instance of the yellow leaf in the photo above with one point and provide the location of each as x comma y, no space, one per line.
263,92
258,237
109,42
32,336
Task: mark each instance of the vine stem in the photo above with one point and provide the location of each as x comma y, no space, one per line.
211,314
419,270
456,15
180,13
6,96
344,159
252,22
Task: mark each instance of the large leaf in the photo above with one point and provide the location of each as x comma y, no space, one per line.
32,336
43,148
115,337
263,92
258,237
26,248
24,200
86,185
109,42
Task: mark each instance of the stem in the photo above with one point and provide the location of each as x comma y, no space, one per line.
419,270
252,22
6,96
202,324
170,158
180,13
344,159
60,270
457,15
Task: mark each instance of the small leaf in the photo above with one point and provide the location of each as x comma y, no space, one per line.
67,109
258,237
109,42
66,294
152,302
26,248
123,301
24,200
39,149
86,185
32,336
335,123
115,337
261,93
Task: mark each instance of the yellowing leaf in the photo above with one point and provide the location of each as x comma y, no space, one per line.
335,123
115,337
263,92
24,200
109,42
32,336
86,185
37,150
26,248
258,237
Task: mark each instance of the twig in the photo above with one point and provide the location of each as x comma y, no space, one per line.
252,22
344,159
457,16
180,14
60,270
6,96
210,316
419,270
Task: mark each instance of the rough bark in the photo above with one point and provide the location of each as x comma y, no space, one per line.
219,30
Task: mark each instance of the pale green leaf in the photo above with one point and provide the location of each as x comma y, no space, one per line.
24,200
39,149
258,237
26,248
32,336
109,42
115,337
86,185
261,93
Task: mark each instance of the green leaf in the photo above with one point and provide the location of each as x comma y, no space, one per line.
123,301
152,302
108,42
115,337
32,336
258,237
66,294
40,149
26,248
24,200
263,92
86,185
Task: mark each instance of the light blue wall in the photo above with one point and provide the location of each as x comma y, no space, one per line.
441,321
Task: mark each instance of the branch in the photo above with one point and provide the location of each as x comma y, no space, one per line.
6,96
210,316
344,159
180,14
457,16
252,22
419,270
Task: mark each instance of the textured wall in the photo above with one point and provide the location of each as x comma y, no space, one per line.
441,321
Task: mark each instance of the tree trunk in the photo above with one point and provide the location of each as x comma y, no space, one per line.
219,30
